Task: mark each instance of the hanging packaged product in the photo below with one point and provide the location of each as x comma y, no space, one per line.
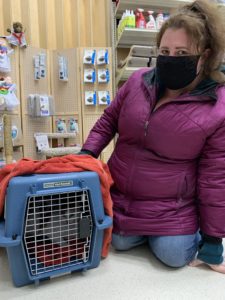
61,125
5,65
103,57
103,76
151,23
14,132
40,105
89,75
89,57
73,126
103,97
63,68
90,98
37,74
39,66
42,64
8,99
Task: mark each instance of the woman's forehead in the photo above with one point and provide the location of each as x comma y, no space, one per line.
176,38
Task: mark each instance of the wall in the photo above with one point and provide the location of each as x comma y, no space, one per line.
59,24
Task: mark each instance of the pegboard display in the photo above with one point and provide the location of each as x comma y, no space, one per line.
96,88
31,127
106,153
17,155
65,81
96,79
89,121
27,72
16,132
31,62
69,124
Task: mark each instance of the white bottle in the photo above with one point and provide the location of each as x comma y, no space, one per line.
151,23
159,20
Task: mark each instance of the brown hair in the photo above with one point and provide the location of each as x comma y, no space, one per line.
205,25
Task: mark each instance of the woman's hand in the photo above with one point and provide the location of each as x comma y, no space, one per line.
217,268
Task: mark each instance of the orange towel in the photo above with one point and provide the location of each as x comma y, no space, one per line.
63,164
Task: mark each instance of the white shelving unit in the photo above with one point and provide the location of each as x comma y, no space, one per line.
136,36
147,4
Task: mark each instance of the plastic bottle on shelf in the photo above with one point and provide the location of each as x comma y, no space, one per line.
130,20
126,20
133,19
159,20
151,23
140,19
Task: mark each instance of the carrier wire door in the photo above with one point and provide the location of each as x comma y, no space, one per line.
58,227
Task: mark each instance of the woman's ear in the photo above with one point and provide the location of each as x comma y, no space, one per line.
206,53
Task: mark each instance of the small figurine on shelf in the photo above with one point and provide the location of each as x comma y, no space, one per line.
8,99
17,35
5,66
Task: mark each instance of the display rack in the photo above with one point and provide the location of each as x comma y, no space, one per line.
136,36
146,4
54,140
138,57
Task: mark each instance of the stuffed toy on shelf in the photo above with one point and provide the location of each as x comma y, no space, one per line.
17,35
5,52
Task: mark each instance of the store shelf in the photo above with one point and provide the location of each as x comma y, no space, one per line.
131,36
56,135
147,4
125,73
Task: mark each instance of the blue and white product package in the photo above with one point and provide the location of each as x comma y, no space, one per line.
89,57
14,132
103,57
103,76
89,75
103,97
90,98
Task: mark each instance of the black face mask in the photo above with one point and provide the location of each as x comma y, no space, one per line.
176,72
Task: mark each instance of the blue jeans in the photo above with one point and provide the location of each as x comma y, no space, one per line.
174,251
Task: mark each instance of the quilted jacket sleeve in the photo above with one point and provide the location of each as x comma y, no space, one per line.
107,126
211,185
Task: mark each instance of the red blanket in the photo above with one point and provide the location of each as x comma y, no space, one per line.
64,164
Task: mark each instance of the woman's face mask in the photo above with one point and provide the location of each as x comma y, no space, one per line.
176,72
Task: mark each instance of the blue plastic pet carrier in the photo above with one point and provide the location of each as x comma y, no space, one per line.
53,224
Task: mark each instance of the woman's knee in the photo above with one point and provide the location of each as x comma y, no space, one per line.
123,243
175,251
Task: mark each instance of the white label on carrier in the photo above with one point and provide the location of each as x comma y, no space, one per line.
57,184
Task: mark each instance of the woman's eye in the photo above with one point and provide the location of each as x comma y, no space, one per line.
182,52
164,52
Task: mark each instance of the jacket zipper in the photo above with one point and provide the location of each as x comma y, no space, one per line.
146,125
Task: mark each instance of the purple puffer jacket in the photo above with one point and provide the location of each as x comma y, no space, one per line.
169,164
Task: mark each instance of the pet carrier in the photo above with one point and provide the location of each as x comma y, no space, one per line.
53,224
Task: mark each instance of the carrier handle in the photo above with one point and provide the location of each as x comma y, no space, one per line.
103,224
8,241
